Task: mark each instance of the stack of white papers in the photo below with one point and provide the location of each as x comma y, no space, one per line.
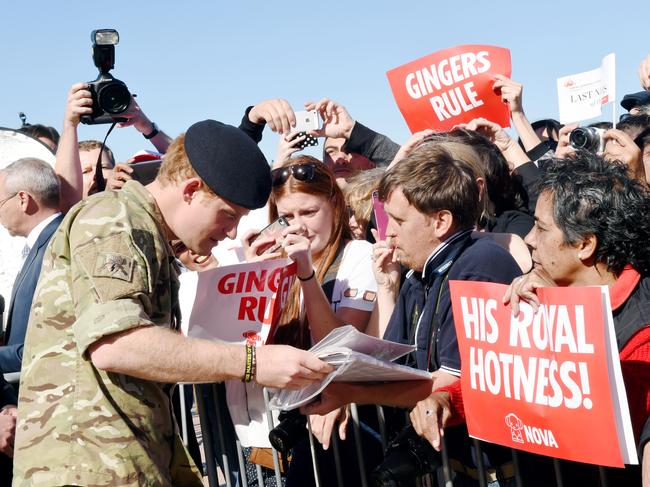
357,357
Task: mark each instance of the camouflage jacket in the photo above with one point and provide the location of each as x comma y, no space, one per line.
108,269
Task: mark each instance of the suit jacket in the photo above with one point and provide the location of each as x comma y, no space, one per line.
11,354
7,394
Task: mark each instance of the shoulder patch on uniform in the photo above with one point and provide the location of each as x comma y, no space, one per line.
113,264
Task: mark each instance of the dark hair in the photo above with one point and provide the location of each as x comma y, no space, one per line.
592,196
601,125
434,178
634,124
549,124
37,130
504,191
643,139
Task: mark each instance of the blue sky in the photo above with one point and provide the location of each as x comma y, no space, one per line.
192,60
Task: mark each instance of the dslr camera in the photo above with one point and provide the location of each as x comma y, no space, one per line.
110,96
289,432
408,457
588,138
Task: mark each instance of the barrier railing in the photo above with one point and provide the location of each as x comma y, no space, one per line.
444,477
211,462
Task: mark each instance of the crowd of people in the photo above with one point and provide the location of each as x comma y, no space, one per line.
93,325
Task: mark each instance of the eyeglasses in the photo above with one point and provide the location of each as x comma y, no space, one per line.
302,172
7,199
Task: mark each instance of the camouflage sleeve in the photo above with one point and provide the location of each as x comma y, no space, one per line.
111,276
103,319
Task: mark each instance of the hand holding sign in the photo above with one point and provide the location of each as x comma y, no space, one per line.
337,122
523,289
510,91
451,86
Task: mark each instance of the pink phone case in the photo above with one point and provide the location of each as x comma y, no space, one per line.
381,218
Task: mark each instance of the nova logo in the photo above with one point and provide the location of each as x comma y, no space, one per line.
522,433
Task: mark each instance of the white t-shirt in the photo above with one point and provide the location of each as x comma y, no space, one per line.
355,287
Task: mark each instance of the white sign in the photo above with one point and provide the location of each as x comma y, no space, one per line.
582,95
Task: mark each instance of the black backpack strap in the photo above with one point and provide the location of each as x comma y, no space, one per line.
330,276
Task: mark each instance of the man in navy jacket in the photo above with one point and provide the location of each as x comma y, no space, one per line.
29,207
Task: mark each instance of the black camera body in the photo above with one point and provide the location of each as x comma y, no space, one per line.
408,457
110,96
289,432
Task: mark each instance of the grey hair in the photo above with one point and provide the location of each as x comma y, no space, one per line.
35,177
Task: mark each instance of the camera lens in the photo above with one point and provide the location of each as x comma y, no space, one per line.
114,98
579,138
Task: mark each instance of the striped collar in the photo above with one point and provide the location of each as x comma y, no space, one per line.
439,250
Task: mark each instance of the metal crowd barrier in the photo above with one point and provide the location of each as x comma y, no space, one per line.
211,460
424,481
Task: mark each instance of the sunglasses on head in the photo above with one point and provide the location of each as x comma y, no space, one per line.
302,172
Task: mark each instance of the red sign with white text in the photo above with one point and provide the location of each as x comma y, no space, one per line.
451,86
241,303
552,379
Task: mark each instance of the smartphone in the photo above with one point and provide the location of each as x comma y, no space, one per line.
381,218
145,172
272,230
310,141
306,121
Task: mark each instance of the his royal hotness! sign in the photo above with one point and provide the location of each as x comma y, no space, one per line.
552,378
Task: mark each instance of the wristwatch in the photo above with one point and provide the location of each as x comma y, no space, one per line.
153,133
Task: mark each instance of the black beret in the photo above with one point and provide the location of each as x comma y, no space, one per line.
635,100
229,162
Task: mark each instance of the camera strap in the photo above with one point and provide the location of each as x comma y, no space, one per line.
100,181
428,322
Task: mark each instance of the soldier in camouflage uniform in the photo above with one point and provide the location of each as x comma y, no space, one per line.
94,409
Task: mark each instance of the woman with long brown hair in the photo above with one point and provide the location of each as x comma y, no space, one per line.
335,283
